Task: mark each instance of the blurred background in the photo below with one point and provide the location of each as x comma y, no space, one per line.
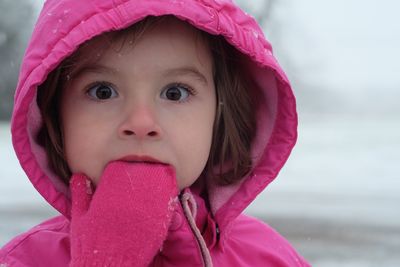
337,199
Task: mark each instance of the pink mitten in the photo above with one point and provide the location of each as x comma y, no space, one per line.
126,220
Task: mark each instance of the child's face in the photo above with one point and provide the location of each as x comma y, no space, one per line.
155,99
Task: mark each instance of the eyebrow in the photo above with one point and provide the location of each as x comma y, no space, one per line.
187,70
93,68
179,71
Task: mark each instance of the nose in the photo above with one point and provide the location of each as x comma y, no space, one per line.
140,122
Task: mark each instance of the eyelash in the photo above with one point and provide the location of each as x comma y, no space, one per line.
189,89
97,84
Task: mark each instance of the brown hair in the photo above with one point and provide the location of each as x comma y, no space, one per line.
234,125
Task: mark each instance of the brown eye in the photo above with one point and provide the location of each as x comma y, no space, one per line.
102,92
176,92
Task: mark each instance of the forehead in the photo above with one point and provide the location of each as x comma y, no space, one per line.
178,35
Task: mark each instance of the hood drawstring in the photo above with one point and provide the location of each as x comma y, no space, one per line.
190,209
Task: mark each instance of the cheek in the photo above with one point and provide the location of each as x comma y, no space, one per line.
194,143
82,154
81,144
76,148
191,165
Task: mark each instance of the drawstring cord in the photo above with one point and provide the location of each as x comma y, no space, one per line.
190,210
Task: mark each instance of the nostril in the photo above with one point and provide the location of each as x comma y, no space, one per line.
152,133
128,132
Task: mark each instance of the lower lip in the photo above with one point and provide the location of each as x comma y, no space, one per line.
146,162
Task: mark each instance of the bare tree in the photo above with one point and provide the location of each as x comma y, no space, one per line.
16,23
261,10
265,12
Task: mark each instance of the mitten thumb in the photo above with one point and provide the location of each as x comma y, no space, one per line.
80,186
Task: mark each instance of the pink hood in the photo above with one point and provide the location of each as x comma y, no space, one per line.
64,25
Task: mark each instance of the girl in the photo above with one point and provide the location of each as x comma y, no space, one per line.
150,126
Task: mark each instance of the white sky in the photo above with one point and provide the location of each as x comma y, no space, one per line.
345,44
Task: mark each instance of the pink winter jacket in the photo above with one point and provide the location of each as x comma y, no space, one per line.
199,236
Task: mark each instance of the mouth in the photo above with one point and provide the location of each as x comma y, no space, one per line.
141,159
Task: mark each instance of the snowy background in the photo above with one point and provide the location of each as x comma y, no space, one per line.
337,199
